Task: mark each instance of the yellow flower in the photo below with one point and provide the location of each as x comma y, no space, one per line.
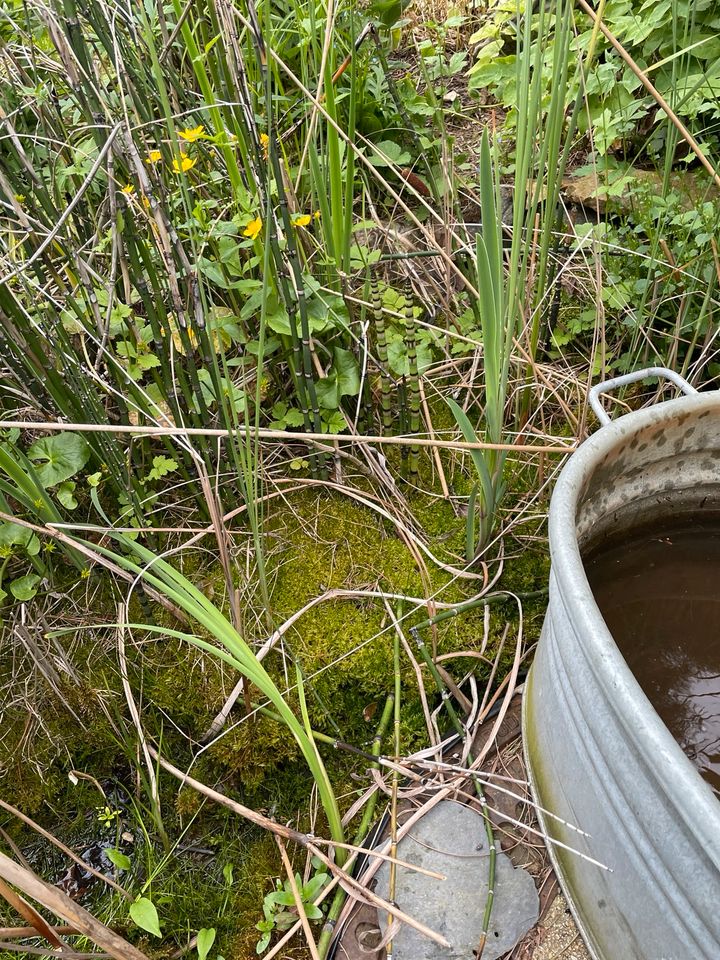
192,133
155,156
184,164
265,144
146,202
253,228
302,221
20,197
128,189
316,215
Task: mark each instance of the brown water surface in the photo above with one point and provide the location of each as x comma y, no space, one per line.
658,589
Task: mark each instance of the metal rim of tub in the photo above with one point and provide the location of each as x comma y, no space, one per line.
688,793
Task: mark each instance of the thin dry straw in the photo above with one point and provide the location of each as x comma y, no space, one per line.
267,434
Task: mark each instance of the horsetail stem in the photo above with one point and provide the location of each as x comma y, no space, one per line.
413,381
382,354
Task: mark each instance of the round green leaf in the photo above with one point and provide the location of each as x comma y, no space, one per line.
64,454
25,588
66,494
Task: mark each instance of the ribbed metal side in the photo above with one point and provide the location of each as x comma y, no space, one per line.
599,755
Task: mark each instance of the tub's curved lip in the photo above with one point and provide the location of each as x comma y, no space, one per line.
691,797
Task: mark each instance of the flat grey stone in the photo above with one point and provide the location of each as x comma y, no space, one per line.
451,840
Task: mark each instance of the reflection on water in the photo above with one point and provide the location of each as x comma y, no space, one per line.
658,590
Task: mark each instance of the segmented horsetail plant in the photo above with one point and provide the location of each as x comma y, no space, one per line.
413,380
287,261
386,387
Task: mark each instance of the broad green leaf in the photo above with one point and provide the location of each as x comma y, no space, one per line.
348,376
205,940
118,858
229,250
66,494
327,310
342,381
294,418
398,360
326,391
25,588
64,454
333,422
223,325
228,873
270,346
213,272
71,323
392,151
144,361
12,534
279,321
145,915
118,315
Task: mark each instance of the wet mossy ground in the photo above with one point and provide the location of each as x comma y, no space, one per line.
316,541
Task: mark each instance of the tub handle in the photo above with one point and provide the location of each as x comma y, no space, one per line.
607,386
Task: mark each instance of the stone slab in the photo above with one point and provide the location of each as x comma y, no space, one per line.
451,840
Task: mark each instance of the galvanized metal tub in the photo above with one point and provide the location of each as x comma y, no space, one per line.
598,754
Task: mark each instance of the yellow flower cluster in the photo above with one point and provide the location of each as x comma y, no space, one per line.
183,163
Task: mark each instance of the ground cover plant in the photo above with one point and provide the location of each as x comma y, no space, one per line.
299,309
